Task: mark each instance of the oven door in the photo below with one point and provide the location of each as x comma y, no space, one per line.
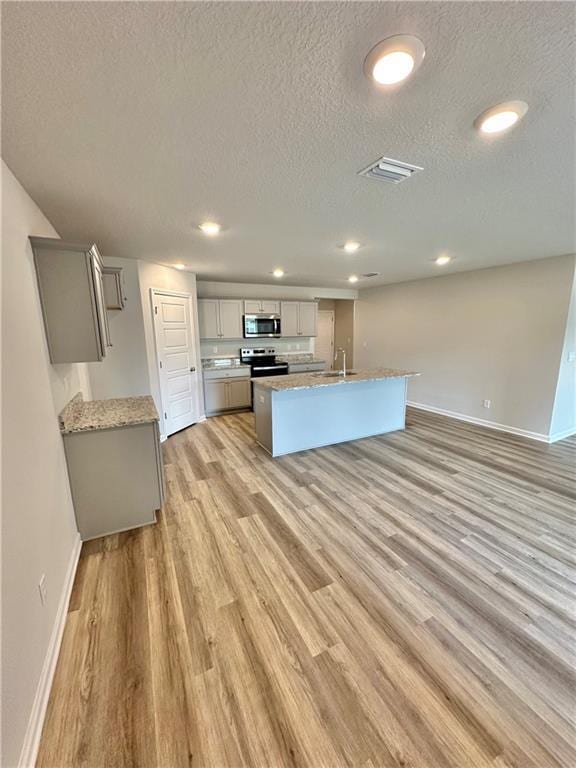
259,326
278,369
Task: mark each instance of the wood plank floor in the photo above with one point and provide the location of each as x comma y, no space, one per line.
406,600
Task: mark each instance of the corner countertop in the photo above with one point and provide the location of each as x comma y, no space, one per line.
87,415
313,380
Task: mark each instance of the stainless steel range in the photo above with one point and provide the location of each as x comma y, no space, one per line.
262,362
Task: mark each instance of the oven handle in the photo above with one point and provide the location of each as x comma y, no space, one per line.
268,367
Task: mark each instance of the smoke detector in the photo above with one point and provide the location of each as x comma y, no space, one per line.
392,171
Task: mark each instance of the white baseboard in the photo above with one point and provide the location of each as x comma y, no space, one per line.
36,721
562,435
483,422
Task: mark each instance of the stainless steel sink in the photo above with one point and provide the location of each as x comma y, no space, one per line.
334,374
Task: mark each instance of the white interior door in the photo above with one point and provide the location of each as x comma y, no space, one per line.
324,345
177,360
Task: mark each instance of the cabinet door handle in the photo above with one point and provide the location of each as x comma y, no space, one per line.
192,369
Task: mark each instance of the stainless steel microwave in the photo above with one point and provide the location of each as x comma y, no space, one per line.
260,326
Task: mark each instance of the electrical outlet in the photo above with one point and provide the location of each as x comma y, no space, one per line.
486,403
42,589
572,357
215,350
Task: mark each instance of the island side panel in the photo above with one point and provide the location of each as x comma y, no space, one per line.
262,405
319,416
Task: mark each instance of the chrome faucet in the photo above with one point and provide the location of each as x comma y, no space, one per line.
341,349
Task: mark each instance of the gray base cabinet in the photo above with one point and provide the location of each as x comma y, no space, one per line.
116,478
226,391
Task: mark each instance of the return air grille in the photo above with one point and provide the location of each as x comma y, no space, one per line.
392,171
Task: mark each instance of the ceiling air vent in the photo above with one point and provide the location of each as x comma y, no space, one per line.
390,170
370,274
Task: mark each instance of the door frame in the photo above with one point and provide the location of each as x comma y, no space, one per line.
195,348
329,363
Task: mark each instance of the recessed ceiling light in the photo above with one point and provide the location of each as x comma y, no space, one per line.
392,60
179,266
210,228
351,246
278,273
501,117
353,279
442,260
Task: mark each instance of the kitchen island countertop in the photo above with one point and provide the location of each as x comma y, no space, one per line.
312,380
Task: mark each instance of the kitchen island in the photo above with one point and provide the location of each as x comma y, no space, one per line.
309,410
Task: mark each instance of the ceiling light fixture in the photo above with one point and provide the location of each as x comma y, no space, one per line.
443,260
501,117
179,266
392,60
278,273
210,228
351,246
353,279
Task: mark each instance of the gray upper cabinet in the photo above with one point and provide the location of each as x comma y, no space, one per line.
72,298
308,318
220,318
261,306
113,287
289,318
299,318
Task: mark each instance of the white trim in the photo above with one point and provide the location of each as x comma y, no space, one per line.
482,422
36,722
562,435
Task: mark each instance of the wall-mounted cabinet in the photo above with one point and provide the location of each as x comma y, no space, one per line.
220,318
113,287
299,318
261,306
72,297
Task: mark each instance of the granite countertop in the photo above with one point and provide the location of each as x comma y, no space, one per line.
86,415
223,362
298,357
312,380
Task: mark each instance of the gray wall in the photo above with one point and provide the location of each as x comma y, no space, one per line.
492,334
38,526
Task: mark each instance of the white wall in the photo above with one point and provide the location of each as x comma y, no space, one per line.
564,412
492,334
211,289
168,279
124,371
39,533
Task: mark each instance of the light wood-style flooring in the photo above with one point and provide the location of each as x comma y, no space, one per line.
401,601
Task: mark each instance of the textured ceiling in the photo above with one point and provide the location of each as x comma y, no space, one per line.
129,123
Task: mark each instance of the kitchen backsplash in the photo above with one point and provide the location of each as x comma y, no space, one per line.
232,348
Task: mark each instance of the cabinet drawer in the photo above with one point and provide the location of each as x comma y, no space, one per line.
226,373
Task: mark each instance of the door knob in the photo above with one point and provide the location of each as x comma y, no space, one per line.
192,369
